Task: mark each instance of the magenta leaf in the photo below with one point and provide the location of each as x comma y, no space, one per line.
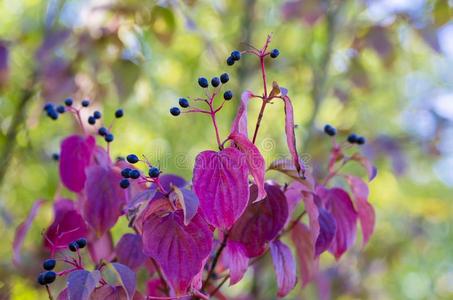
240,121
255,161
68,225
220,180
365,210
167,181
108,292
308,264
327,230
187,200
104,198
129,251
290,136
82,283
178,249
75,157
261,221
126,277
100,248
234,258
22,230
284,266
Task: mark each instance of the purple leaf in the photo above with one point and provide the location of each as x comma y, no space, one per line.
261,221
220,180
327,230
187,200
108,292
129,251
100,248
365,162
155,206
82,283
167,181
178,249
22,230
68,225
290,136
255,161
365,210
126,277
240,121
4,63
234,258
104,198
308,264
284,266
75,156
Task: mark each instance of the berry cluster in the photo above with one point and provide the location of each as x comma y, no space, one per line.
129,173
352,138
48,276
78,244
236,56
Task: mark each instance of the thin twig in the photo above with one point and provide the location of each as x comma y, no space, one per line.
215,260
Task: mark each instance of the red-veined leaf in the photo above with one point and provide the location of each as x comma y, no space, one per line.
82,283
284,266
308,264
234,258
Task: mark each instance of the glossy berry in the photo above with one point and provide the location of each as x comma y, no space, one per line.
132,158
47,106
275,53
109,138
102,131
52,113
330,130
124,183
361,140
61,109
68,102
119,113
97,115
230,61
41,280
183,102
203,82
175,111
56,156
224,78
352,138
126,172
73,246
82,242
85,103
228,95
91,120
49,277
153,172
215,81
236,55
49,264
134,174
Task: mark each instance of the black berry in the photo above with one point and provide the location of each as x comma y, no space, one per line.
224,78
228,95
132,158
85,103
215,81
203,82
97,115
91,120
102,131
352,138
126,172
175,111
119,113
41,280
49,277
153,172
61,109
236,55
361,140
230,61
82,242
68,102
49,264
124,183
73,246
183,102
275,53
330,130
134,174
56,156
48,106
109,138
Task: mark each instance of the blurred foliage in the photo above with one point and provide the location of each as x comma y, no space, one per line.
381,68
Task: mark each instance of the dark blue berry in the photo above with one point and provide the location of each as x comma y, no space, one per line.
228,95
224,78
41,280
132,158
183,102
124,183
49,264
275,53
119,113
61,109
215,81
51,113
102,131
109,138
203,82
236,55
175,111
82,242
134,174
55,156
85,103
73,246
68,101
50,277
230,61
126,172
91,120
48,106
153,172
361,140
352,138
97,115
330,130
